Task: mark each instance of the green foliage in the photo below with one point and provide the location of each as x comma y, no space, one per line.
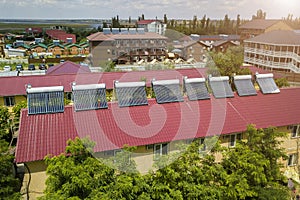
5,124
67,101
282,82
76,173
9,186
109,66
17,113
250,170
230,62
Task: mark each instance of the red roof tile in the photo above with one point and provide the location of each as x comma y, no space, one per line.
148,21
11,86
67,67
100,36
111,128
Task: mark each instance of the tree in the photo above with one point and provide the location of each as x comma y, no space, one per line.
109,66
5,133
259,15
229,62
253,166
76,173
282,82
165,19
9,185
17,113
250,170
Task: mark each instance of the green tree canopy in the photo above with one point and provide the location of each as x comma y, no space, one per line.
250,170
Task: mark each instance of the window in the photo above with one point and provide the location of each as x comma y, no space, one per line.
149,146
9,101
234,138
189,141
202,144
295,131
293,159
160,149
112,152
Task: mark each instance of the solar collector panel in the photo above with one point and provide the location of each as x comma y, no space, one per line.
89,97
167,91
267,84
244,85
196,88
220,87
131,93
45,100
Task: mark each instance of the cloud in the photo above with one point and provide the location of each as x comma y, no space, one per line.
215,9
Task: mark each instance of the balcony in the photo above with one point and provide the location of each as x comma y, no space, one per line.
271,64
279,54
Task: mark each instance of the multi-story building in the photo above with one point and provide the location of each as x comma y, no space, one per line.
126,45
259,26
190,49
153,128
275,50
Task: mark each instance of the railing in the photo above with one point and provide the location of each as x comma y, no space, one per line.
272,64
285,54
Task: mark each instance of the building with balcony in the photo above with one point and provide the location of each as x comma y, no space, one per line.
275,50
126,45
154,128
259,26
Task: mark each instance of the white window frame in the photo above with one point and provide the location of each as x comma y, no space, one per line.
158,149
11,99
295,131
292,160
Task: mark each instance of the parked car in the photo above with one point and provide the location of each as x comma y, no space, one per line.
42,66
50,65
19,67
7,68
31,67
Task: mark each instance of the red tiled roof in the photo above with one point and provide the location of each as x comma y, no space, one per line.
61,35
148,21
111,128
11,86
67,67
100,36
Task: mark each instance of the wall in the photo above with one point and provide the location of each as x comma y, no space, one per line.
278,26
144,159
18,99
37,177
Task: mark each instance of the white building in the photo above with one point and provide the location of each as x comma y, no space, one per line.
154,26
279,50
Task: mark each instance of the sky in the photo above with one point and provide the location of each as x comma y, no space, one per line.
174,9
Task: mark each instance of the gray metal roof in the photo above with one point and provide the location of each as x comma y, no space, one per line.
277,37
259,24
